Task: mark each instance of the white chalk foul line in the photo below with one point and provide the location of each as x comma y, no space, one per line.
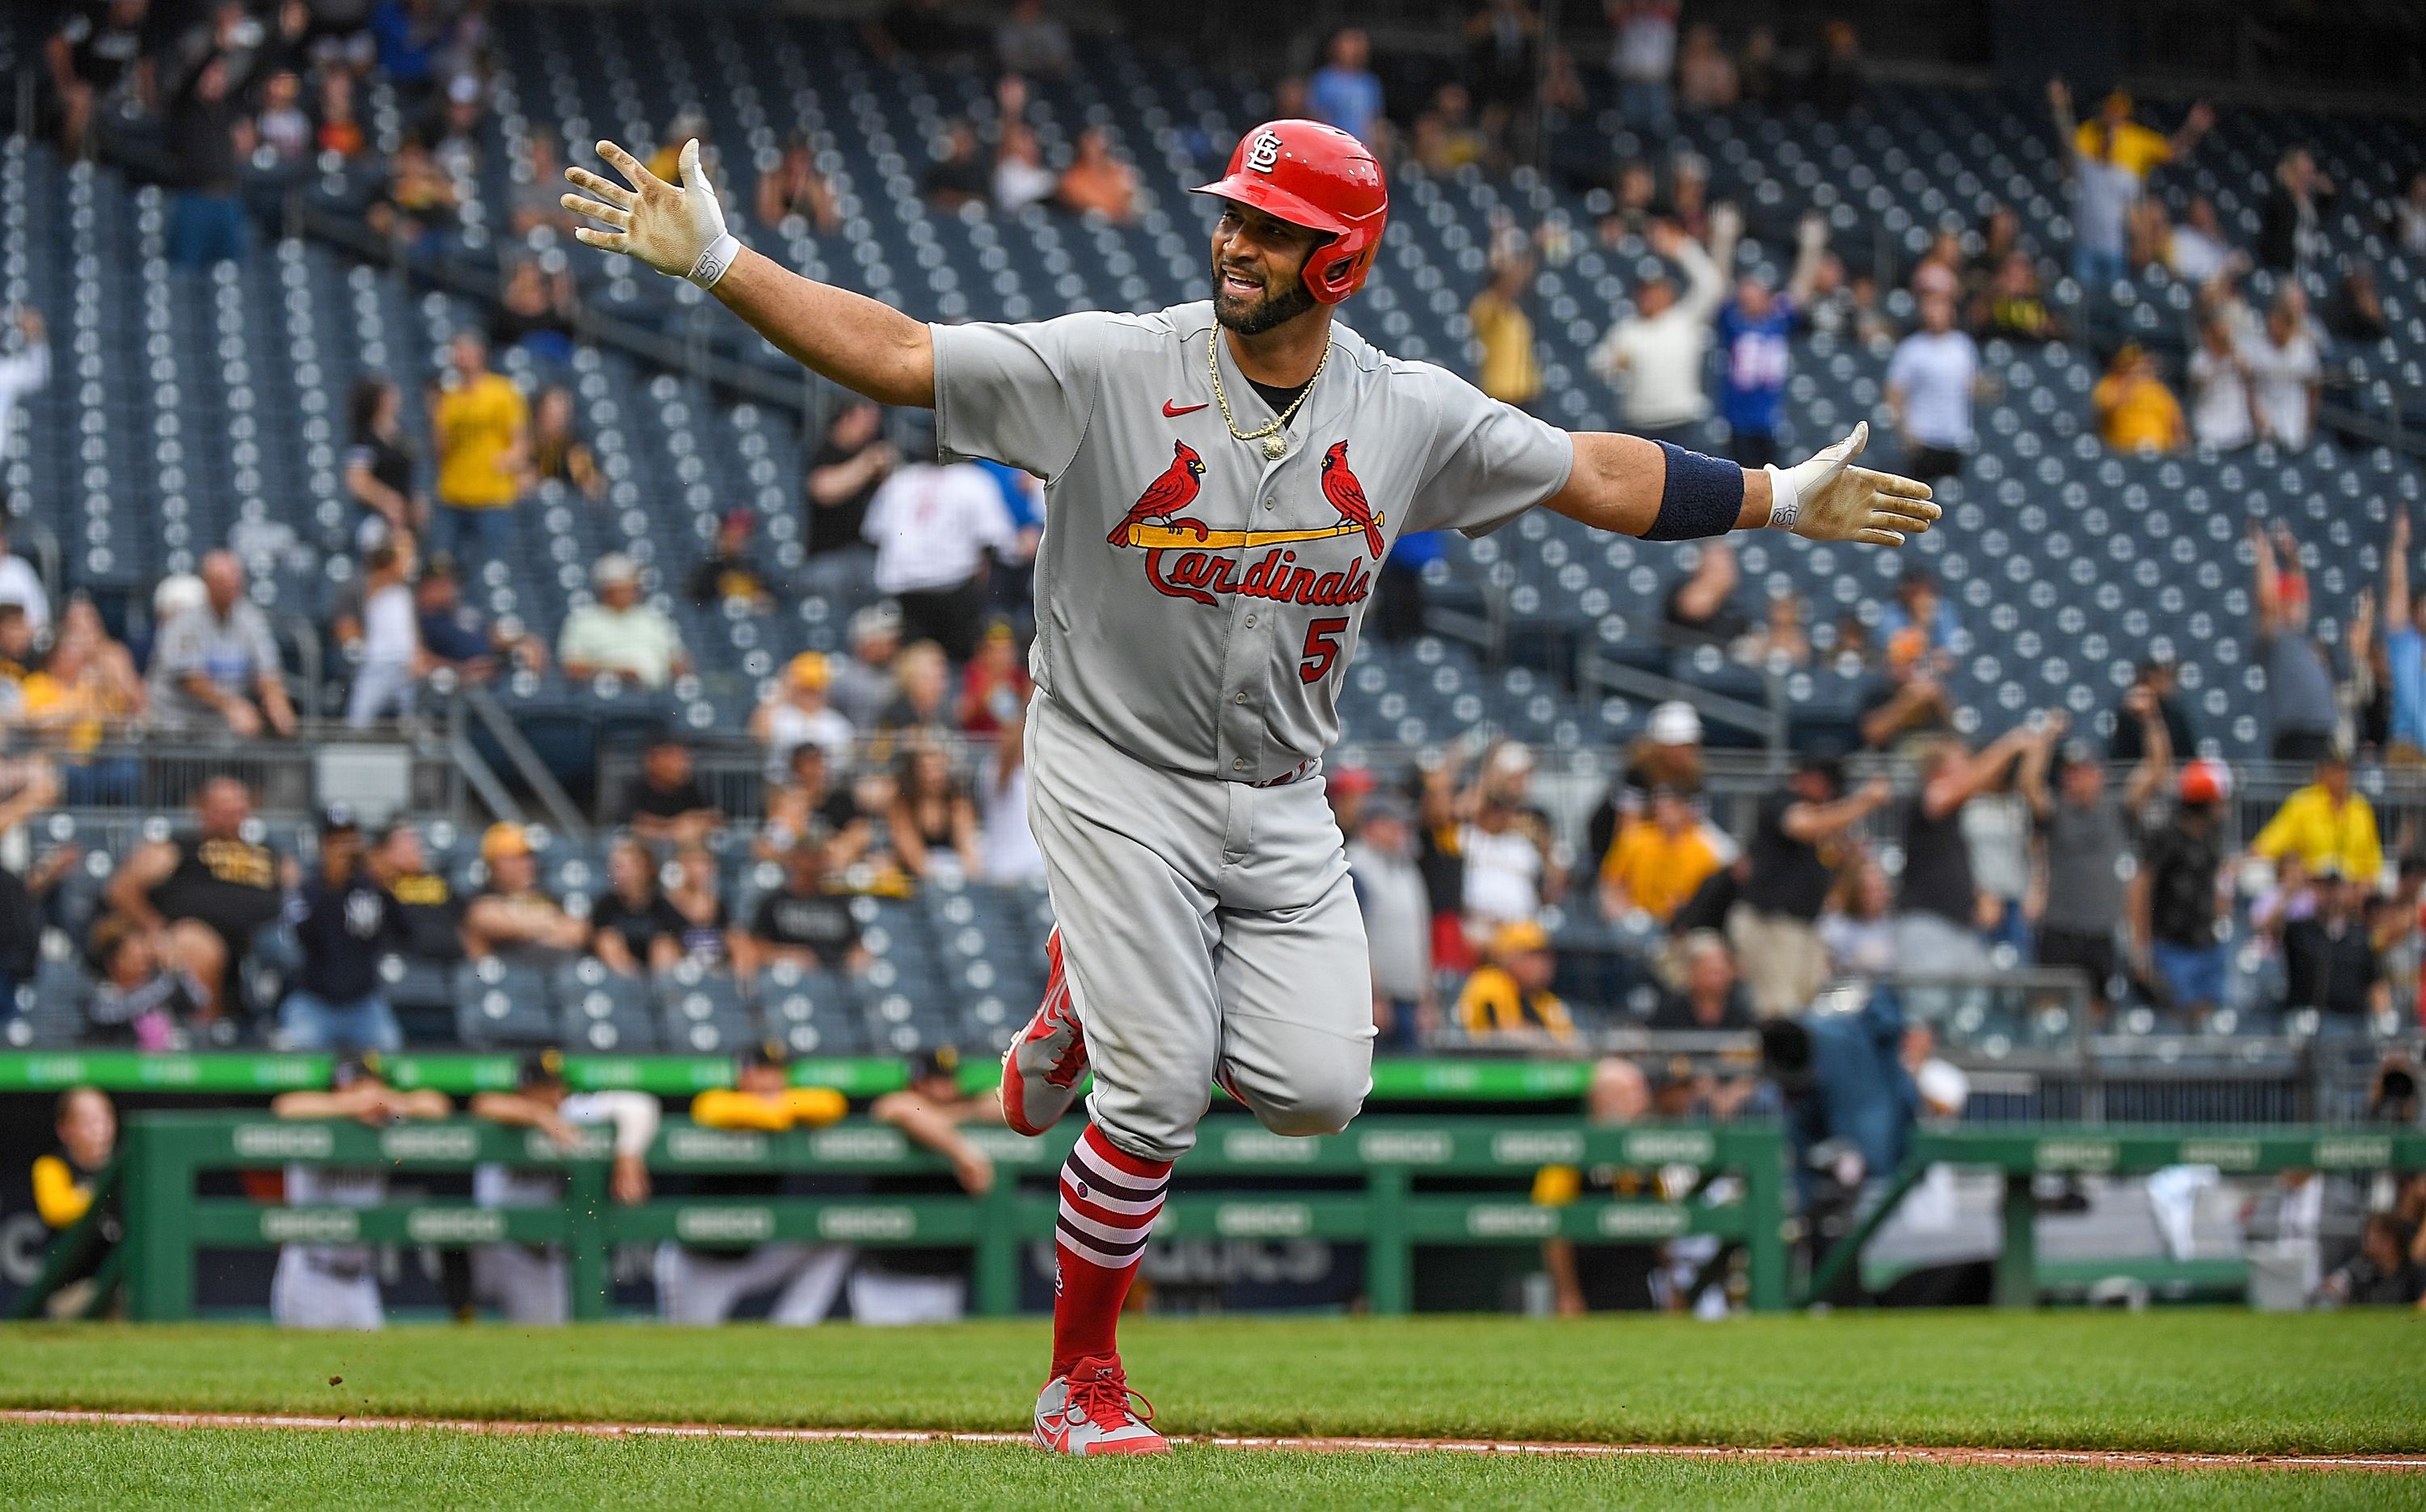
1945,1453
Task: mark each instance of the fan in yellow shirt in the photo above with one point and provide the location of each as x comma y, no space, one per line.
483,431
2136,412
1509,372
1657,862
1512,995
2327,826
482,427
2112,137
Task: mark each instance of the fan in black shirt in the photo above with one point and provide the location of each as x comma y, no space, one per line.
379,462
667,804
433,916
728,572
2127,746
2329,960
802,922
961,176
1938,903
633,927
850,463
209,891
1700,610
1796,843
1711,999
346,922
706,925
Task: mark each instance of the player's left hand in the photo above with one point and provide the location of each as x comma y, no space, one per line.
1838,501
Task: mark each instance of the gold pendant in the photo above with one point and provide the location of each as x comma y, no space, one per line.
1275,446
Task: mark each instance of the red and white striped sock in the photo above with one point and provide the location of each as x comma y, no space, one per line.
1109,1198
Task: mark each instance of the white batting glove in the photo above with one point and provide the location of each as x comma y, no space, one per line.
1827,499
679,232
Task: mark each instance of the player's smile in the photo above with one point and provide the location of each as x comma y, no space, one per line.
1257,260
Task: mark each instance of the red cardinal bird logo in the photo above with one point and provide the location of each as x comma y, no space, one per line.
1171,492
1347,495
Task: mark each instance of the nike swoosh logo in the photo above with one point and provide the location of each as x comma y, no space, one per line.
1172,408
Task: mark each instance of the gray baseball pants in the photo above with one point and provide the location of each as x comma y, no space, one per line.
1209,933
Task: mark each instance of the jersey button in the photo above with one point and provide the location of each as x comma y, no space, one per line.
1272,503
1239,699
1240,765
1251,621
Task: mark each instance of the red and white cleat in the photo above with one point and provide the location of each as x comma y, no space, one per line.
1042,1069
1088,1412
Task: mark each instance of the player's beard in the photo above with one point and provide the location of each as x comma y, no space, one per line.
1253,318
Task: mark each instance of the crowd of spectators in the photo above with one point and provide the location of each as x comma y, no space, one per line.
2024,852
2234,376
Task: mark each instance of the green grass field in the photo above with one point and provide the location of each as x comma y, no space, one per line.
192,1470
2225,1382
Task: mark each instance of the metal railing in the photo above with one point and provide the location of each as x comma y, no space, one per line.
150,772
482,705
1568,783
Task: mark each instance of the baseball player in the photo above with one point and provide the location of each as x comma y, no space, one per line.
1222,480
336,1286
527,1282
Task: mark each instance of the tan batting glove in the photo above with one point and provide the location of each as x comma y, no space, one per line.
1827,499
679,232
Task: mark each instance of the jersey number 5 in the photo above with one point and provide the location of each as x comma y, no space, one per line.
1321,648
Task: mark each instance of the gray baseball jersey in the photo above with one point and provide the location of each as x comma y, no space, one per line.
1196,603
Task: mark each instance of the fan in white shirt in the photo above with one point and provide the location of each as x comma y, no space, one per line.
391,656
25,371
2197,250
2220,410
795,714
1931,381
1020,177
1006,847
21,586
933,525
2284,372
1658,354
22,373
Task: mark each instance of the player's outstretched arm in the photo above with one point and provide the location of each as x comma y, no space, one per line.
679,230
1622,484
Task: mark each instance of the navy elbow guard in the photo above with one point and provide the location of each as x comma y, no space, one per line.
1703,496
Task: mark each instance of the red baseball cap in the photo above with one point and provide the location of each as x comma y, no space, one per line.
2206,781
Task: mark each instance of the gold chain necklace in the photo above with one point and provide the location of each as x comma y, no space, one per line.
1275,444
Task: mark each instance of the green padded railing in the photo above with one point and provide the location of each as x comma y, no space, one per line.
1378,1165
2022,1152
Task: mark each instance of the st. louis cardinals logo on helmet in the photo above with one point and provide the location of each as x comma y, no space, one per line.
1263,150
1205,563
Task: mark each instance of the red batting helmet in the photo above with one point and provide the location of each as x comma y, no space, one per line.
1318,177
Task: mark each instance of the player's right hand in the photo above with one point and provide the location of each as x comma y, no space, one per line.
667,227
